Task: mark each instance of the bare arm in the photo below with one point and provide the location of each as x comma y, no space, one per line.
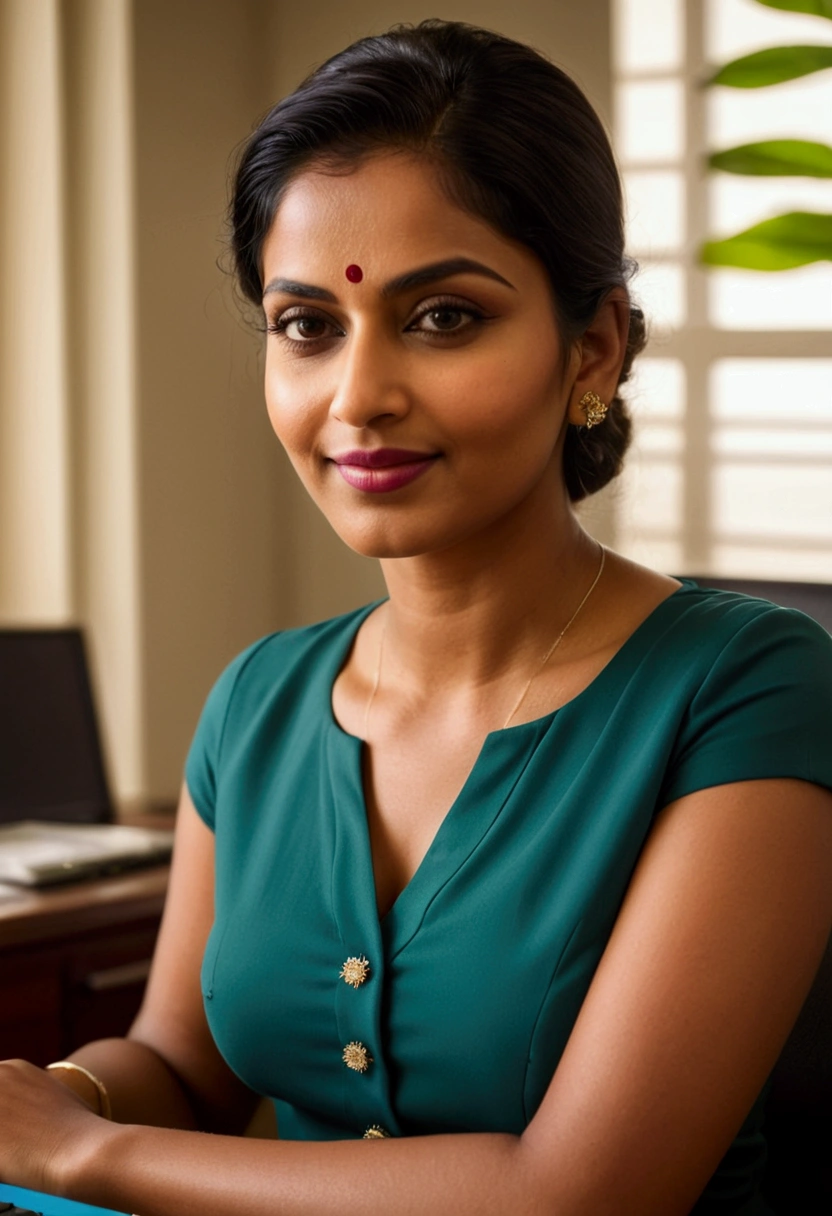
712,955
168,1072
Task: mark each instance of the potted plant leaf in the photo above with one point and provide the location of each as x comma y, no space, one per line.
796,237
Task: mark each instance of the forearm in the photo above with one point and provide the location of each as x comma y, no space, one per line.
157,1172
142,1088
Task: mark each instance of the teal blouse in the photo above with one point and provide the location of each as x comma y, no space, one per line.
477,973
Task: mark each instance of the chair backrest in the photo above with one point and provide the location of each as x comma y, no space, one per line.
799,1108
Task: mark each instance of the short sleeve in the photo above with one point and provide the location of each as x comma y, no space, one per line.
764,709
203,760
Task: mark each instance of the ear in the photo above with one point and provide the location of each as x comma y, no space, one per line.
599,353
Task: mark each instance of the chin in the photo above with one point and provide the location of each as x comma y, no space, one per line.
402,537
373,543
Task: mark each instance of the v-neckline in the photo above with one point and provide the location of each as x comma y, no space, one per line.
360,615
511,748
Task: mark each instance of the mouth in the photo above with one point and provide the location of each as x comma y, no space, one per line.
381,470
381,458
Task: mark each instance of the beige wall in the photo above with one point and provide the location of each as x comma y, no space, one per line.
574,34
215,568
142,494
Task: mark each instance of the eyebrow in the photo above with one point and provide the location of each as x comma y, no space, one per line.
403,282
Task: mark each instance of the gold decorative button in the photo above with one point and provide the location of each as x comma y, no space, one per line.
376,1132
357,1057
355,971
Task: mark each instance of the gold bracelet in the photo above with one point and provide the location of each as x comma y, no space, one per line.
104,1107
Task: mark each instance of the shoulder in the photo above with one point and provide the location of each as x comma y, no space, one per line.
741,631
284,677
700,643
272,661
759,701
703,629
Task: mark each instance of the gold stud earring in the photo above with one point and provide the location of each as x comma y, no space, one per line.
593,407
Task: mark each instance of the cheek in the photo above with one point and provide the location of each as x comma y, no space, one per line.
291,407
508,398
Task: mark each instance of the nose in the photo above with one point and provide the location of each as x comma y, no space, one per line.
371,380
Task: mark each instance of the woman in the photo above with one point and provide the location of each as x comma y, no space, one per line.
565,993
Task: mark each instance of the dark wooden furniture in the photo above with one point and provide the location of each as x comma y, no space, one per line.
74,959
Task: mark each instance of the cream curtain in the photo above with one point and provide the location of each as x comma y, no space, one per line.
68,534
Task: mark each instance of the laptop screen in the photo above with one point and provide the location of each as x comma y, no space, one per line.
51,765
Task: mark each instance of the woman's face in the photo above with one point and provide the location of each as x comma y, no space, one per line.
422,397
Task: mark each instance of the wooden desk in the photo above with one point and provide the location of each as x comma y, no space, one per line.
74,958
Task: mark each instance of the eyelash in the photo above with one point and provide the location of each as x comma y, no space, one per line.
278,326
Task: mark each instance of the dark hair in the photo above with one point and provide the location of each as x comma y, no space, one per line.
515,142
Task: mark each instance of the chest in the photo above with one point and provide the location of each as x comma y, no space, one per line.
416,767
479,967
410,783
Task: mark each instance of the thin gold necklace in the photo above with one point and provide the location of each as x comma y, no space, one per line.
534,674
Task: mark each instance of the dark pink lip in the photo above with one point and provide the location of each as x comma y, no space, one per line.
381,458
383,480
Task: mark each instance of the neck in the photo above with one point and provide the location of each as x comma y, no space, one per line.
463,619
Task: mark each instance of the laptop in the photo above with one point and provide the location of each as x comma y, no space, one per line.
36,1203
56,813
34,854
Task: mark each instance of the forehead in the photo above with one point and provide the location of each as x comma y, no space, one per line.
388,212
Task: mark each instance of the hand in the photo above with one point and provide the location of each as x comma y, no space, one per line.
43,1124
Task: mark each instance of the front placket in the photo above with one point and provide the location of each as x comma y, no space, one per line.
358,974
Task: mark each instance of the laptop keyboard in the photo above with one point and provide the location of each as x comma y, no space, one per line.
16,1201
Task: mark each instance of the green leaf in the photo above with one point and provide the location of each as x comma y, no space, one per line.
818,8
772,66
781,243
776,158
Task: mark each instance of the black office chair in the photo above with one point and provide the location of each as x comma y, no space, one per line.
798,1124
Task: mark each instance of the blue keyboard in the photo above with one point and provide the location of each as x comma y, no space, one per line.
28,1203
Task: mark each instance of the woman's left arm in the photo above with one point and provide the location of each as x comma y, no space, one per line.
711,957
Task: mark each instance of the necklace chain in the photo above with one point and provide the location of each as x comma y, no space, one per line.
531,678
558,639
378,675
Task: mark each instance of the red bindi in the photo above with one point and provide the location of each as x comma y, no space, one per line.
354,273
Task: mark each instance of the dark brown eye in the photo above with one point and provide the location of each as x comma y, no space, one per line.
304,327
446,318
299,329
307,324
